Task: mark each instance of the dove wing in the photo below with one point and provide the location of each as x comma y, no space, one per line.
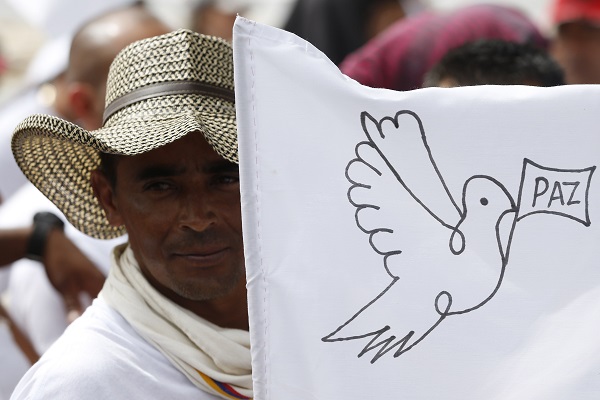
394,181
401,142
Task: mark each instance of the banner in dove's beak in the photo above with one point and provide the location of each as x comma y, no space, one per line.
432,244
555,191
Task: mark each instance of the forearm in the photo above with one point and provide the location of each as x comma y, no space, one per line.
68,269
13,244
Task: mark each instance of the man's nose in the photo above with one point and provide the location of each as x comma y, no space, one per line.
197,212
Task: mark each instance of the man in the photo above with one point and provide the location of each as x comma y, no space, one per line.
171,320
495,62
576,45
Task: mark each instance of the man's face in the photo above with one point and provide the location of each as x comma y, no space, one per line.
577,50
181,206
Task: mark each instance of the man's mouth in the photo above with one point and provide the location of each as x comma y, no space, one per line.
206,257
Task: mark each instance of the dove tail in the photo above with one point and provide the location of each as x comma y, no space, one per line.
386,345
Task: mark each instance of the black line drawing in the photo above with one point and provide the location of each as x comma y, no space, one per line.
477,233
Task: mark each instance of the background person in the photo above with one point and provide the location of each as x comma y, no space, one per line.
338,27
76,263
495,62
576,45
399,57
68,269
56,20
38,309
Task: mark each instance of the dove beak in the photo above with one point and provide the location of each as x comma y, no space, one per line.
505,229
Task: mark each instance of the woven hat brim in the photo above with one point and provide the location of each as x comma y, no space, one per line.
58,156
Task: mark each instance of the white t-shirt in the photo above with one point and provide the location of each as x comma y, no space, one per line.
100,356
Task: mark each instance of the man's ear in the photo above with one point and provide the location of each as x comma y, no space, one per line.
105,193
82,102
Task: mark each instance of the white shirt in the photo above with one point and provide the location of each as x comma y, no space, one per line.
100,356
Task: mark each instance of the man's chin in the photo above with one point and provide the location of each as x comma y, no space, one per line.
208,289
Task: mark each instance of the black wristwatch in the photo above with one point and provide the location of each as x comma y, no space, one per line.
43,223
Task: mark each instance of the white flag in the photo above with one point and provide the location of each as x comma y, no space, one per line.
431,244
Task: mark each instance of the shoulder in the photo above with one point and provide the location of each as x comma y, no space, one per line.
100,356
78,364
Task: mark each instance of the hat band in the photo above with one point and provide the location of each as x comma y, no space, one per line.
167,89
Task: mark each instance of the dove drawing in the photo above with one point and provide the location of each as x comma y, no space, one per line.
474,236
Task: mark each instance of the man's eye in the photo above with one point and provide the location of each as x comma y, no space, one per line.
226,179
158,186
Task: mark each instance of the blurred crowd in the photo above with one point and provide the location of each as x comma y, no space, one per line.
394,44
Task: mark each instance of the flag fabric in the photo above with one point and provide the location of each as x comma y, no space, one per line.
429,244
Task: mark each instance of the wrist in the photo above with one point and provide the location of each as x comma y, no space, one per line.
43,224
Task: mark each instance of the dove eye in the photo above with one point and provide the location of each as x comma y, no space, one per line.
484,201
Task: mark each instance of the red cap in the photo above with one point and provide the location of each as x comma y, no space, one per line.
573,10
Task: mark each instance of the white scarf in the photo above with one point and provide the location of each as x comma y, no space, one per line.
215,359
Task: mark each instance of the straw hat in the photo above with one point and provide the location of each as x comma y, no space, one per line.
158,90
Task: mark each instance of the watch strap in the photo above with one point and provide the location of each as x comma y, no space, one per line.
43,224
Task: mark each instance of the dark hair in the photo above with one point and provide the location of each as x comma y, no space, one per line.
108,167
496,62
